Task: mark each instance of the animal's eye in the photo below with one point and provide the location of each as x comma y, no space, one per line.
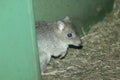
69,34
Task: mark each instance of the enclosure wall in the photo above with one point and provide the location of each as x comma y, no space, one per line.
18,49
82,12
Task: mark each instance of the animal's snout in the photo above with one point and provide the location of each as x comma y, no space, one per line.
80,44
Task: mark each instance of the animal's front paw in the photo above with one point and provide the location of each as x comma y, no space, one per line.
62,55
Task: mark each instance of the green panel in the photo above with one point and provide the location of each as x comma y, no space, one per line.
18,48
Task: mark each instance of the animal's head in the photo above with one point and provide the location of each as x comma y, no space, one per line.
66,32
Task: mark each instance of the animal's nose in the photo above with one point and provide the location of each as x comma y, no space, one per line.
80,44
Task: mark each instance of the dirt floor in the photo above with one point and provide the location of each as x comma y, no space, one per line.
99,59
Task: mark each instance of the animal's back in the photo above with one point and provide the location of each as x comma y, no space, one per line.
44,36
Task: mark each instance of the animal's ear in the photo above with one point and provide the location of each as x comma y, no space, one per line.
61,25
67,19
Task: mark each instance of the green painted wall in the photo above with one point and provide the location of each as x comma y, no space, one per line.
18,49
82,12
